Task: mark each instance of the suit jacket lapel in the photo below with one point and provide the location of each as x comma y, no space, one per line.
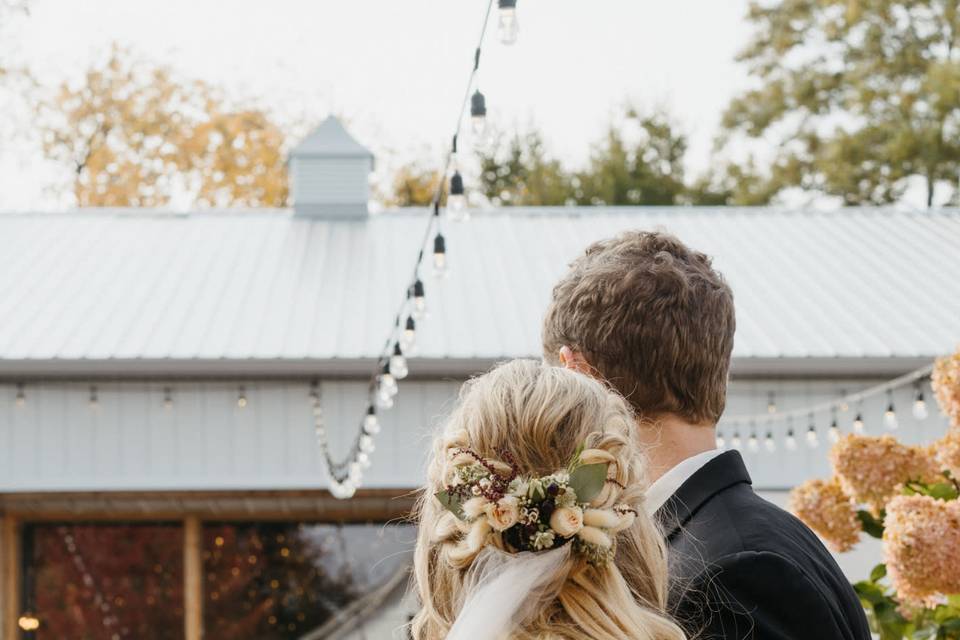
722,472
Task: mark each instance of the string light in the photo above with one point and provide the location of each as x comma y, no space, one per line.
241,397
844,405
771,403
371,424
791,441
890,415
409,334
833,434
813,440
478,115
366,444
721,442
21,398
363,460
769,442
93,402
735,441
398,363
507,26
167,398
457,199
439,255
419,300
28,622
919,404
753,443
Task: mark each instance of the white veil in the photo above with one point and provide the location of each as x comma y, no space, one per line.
503,590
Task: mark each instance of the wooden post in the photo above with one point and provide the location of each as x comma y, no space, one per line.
9,578
192,578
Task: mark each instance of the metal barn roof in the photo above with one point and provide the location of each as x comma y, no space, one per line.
128,291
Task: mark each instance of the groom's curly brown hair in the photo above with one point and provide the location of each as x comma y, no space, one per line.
654,318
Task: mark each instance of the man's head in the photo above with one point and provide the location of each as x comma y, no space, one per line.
653,318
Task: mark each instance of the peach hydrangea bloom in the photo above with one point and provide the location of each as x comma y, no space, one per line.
872,469
947,451
945,381
826,509
922,548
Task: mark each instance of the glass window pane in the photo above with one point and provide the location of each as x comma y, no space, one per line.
105,581
274,581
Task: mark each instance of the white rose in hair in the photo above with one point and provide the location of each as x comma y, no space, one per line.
596,537
504,513
567,521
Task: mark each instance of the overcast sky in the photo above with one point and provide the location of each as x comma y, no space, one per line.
396,68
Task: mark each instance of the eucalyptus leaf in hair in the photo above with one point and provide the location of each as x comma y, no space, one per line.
451,502
588,480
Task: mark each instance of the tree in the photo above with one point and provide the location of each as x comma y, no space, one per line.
520,172
134,135
648,171
413,186
859,95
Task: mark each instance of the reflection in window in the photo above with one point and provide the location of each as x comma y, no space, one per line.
275,581
104,581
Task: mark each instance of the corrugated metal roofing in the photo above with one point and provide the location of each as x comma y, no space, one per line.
126,285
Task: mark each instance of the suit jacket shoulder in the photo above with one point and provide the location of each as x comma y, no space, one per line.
742,567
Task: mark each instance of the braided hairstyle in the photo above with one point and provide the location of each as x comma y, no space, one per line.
536,416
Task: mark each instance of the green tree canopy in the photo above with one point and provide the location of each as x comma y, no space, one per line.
857,95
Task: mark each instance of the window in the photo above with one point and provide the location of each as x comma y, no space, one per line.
104,581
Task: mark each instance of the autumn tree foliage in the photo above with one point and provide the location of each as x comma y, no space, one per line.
134,134
856,96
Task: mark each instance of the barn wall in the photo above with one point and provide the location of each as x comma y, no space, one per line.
130,441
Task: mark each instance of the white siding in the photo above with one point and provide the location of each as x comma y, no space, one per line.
56,442
331,180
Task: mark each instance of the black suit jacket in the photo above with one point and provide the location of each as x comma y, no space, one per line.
742,568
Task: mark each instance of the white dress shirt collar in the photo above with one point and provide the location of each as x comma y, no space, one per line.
666,485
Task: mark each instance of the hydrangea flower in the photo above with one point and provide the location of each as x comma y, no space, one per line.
829,511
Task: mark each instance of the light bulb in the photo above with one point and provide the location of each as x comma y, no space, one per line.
735,441
241,398
721,443
858,426
791,441
834,433
384,400
398,364
409,338
28,622
387,382
813,441
890,418
419,300
363,460
769,442
366,444
21,398
439,255
771,403
94,402
753,445
356,473
370,422
348,489
167,398
507,26
478,115
920,408
457,199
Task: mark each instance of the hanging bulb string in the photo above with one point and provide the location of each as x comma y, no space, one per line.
910,378
335,469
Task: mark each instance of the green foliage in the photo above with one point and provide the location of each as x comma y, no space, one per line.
887,620
588,480
872,525
859,95
451,502
638,161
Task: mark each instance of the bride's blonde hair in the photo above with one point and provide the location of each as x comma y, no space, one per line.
537,415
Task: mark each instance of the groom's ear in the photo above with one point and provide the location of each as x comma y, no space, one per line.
570,359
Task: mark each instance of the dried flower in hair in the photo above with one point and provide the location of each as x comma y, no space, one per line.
872,469
922,548
826,509
945,381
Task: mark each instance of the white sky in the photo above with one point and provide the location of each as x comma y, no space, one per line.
396,68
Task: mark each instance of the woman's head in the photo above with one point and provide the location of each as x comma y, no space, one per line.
531,419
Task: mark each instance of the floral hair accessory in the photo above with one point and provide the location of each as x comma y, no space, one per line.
535,513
